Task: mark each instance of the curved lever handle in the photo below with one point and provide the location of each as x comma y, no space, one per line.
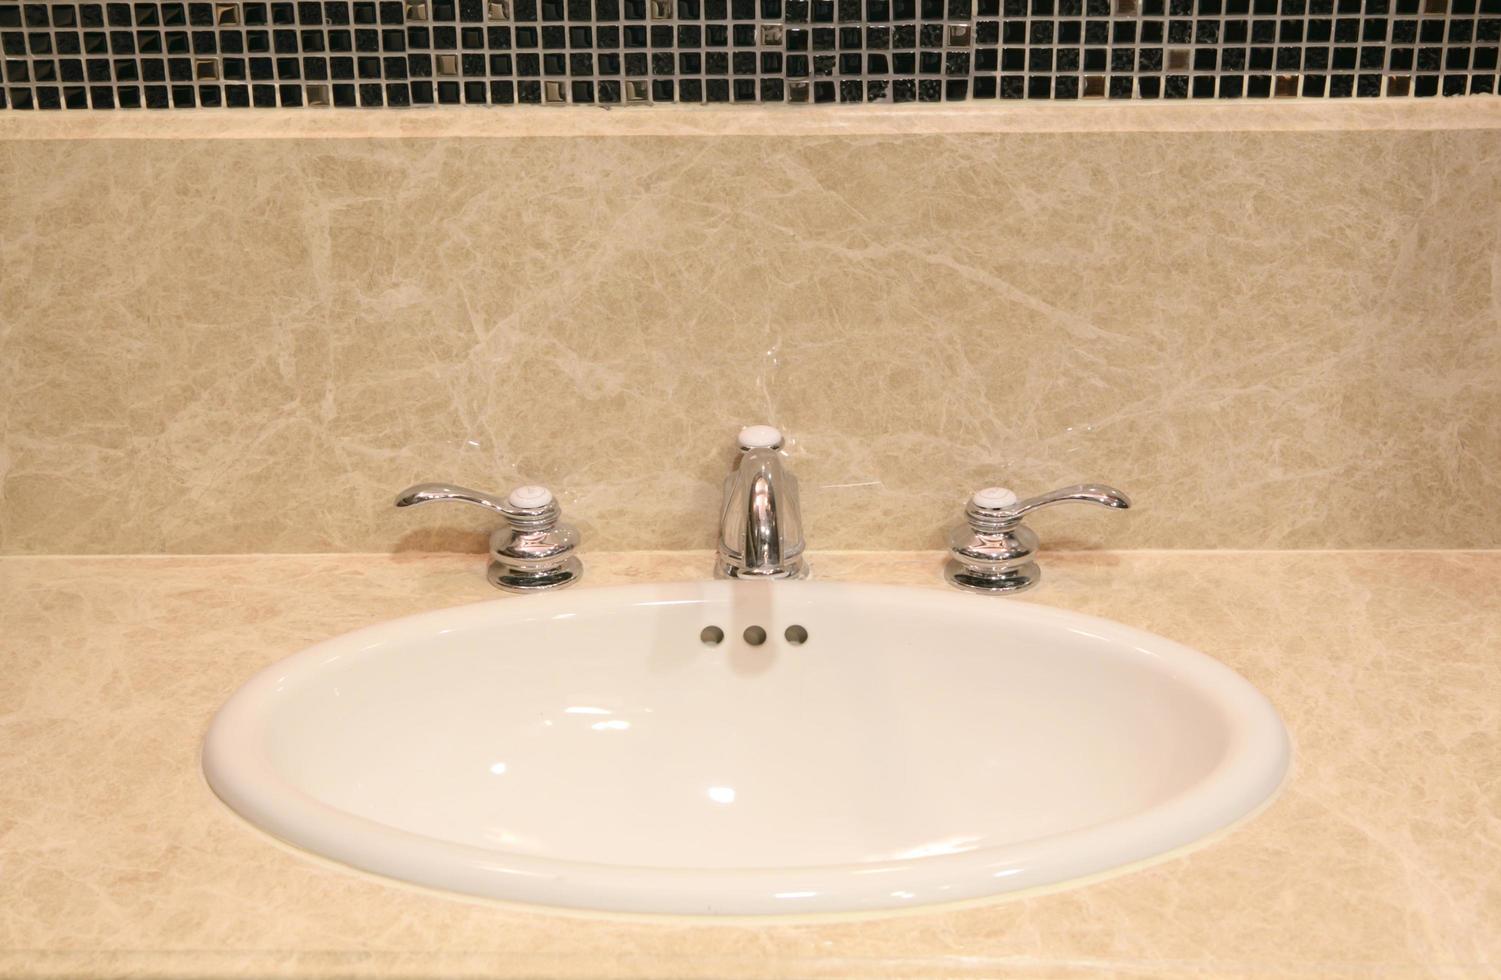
1000,505
423,493
528,507
1084,493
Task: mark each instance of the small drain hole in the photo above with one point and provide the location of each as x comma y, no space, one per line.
755,635
711,636
796,635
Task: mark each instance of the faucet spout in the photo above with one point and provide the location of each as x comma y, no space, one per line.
761,528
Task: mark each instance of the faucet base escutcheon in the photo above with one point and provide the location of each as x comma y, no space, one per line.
795,569
1012,580
504,576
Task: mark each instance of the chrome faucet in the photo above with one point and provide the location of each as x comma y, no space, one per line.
534,552
761,525
993,552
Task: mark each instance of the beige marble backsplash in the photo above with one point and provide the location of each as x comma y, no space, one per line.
1271,339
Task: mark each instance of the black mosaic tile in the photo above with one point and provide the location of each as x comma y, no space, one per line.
394,54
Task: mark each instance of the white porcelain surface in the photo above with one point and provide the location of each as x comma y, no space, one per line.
586,749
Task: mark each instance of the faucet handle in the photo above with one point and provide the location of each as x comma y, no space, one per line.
533,552
999,505
525,503
993,551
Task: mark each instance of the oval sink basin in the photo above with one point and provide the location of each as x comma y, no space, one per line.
596,749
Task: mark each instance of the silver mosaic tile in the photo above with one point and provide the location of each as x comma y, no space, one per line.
390,53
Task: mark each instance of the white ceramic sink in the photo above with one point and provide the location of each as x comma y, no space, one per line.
587,749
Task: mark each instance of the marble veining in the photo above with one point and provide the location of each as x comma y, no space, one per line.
1379,857
1271,339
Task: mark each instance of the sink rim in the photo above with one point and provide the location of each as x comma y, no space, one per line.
240,771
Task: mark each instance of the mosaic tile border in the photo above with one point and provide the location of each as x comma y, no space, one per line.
388,53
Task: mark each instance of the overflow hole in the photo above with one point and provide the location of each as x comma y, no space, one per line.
711,636
755,635
796,635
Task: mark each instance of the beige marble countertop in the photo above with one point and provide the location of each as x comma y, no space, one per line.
1382,855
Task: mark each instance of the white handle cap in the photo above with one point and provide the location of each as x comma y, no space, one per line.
529,497
760,437
993,498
